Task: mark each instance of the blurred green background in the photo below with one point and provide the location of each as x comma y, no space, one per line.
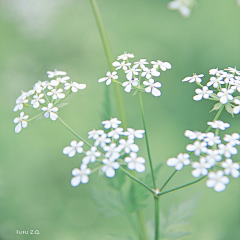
37,36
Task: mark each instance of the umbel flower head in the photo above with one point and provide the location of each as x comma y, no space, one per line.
45,96
139,76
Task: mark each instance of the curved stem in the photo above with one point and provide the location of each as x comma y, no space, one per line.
146,137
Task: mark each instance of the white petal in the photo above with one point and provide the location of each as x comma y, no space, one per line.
110,172
171,162
196,173
18,128
84,179
75,181
53,116
140,167
219,187
156,92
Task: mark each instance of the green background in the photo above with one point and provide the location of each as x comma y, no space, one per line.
37,36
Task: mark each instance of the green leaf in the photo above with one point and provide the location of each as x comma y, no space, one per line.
61,105
120,237
216,106
214,96
118,181
229,108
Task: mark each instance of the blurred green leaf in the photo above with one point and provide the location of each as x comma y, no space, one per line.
229,108
216,106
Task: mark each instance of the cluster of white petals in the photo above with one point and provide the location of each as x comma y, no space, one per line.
139,76
110,145
184,7
46,95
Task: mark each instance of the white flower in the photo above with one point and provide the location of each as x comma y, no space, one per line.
194,78
73,148
197,147
229,77
20,101
109,77
219,124
102,140
80,175
183,6
114,122
131,133
211,139
204,93
20,121
215,81
46,84
110,167
152,87
128,84
236,109
74,86
55,73
140,63
38,87
231,168
112,151
135,163
193,135
181,160
225,95
56,82
200,167
132,71
37,100
125,56
95,134
163,65
216,72
228,150
56,93
50,111
217,181
236,83
233,70
122,65
213,156
91,155
149,72
232,139
128,145
115,133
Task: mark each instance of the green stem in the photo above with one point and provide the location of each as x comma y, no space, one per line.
35,116
156,203
216,117
108,53
168,180
188,184
146,137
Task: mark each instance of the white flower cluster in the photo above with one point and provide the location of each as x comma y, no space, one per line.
135,73
225,83
115,144
213,155
183,6
45,95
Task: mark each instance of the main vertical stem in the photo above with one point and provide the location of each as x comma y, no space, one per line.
156,201
108,53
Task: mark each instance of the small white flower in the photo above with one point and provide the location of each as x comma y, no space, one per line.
125,56
91,155
109,77
110,167
236,109
183,6
73,148
181,160
211,139
37,100
231,168
228,150
219,124
149,72
216,72
194,135
46,84
200,167
140,63
95,134
152,87
217,181
128,145
122,65
56,94
131,133
233,70
215,82
80,175
58,80
20,101
229,77
236,83
74,86
213,156
132,71
114,122
202,93
55,73
20,121
112,151
50,110
135,163
194,78
38,87
197,147
115,133
232,139
128,84
225,95
163,65
102,140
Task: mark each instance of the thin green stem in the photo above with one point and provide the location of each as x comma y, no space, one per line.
146,137
168,180
137,180
156,203
35,116
216,117
177,188
55,104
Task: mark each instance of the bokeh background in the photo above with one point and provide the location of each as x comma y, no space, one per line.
37,36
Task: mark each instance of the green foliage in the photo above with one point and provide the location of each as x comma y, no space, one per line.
120,237
216,106
229,108
106,105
